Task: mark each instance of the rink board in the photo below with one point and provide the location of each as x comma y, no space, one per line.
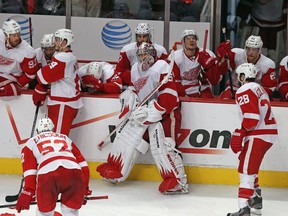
205,135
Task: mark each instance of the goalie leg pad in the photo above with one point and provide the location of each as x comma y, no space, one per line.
124,152
168,161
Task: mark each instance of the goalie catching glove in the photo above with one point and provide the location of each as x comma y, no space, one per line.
148,114
237,139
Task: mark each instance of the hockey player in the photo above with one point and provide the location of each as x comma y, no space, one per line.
18,63
45,53
143,33
283,79
195,69
266,75
99,77
53,165
158,117
258,133
64,99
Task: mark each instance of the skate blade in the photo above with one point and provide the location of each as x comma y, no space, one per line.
112,181
256,212
175,192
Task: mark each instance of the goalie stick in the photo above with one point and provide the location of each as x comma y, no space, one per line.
35,203
229,68
104,142
13,198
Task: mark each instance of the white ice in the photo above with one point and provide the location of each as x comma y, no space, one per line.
137,198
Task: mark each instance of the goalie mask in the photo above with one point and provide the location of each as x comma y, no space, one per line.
44,124
246,71
95,68
146,55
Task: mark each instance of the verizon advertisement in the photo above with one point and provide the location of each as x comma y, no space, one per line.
205,134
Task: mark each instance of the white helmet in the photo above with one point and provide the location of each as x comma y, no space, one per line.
44,124
254,42
11,27
249,71
65,34
47,41
188,32
95,68
143,28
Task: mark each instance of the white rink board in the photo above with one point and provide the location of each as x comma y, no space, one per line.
91,126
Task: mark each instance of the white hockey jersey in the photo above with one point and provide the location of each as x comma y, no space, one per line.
45,153
255,112
265,67
65,82
14,61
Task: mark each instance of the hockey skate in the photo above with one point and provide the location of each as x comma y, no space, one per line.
179,189
242,212
255,203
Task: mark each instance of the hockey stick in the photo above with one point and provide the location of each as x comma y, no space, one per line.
30,31
13,198
229,68
35,203
204,50
164,80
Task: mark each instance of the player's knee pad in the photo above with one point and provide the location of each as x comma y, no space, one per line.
166,157
126,148
39,213
69,211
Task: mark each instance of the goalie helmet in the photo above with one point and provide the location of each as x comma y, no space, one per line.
254,42
188,32
143,50
246,71
47,41
65,34
95,68
44,124
11,27
143,28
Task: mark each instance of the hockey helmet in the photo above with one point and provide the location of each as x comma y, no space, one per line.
65,34
44,124
249,71
47,41
188,32
95,68
143,28
11,27
254,42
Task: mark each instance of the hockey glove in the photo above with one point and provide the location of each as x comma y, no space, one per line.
91,82
150,114
10,89
39,94
24,200
237,139
206,60
223,49
88,192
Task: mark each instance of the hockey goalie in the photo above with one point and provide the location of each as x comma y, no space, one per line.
160,118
